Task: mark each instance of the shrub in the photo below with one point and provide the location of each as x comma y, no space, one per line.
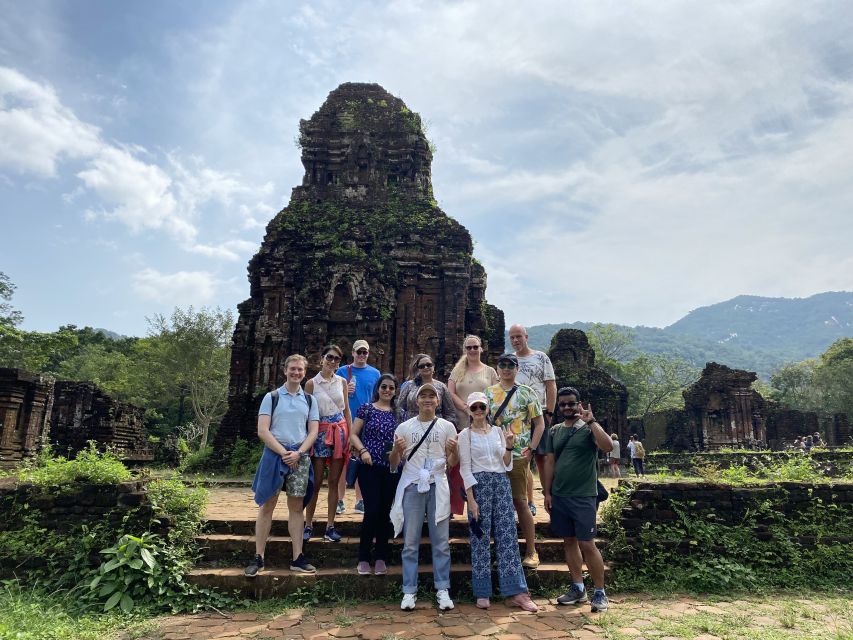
90,465
244,457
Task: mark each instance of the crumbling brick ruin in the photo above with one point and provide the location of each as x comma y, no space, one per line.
574,365
361,251
82,412
35,408
25,404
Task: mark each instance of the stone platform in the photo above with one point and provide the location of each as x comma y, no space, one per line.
228,545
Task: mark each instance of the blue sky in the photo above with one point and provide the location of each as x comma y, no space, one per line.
614,162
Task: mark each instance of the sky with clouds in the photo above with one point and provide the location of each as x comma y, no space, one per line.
614,162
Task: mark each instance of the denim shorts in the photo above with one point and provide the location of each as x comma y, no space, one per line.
573,517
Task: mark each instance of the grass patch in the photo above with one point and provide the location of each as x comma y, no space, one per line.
30,614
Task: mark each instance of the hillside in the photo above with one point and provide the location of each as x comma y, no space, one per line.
746,332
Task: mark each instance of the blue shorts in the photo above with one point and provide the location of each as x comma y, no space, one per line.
573,517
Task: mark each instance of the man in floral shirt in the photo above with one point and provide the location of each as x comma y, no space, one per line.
523,416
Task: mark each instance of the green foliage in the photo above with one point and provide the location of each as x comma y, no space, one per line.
244,457
196,460
36,614
9,316
89,465
180,504
723,555
655,382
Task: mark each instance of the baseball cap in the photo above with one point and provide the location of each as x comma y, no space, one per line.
360,344
424,386
477,396
509,356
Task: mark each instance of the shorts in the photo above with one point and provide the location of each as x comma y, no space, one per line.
518,478
296,484
573,517
540,450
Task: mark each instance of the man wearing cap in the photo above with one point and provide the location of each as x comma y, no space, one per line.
515,407
361,378
570,485
536,371
426,444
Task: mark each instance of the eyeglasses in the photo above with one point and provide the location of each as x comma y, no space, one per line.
362,352
569,404
478,407
506,365
425,365
331,357
387,387
472,347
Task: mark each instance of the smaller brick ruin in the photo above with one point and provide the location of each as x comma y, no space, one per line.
574,365
35,408
82,412
25,405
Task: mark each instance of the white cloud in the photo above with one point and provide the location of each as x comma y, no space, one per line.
228,250
36,130
179,288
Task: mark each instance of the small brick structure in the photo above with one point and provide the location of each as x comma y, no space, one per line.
574,365
25,405
82,412
833,463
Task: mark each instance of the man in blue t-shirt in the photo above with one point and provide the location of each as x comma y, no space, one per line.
361,379
287,433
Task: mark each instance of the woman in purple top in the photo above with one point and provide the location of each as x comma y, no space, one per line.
371,437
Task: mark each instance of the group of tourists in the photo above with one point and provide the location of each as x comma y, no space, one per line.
425,450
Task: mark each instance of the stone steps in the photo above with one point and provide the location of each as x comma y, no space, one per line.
345,581
227,550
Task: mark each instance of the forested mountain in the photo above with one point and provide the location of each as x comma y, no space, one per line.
746,332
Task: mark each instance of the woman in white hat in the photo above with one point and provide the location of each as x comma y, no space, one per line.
485,456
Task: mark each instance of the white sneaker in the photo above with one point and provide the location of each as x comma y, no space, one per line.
408,603
443,600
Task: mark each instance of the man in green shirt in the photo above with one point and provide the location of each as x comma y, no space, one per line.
570,486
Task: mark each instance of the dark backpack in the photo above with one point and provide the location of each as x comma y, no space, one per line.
274,396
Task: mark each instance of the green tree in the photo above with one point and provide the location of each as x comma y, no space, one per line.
655,382
193,350
833,376
33,350
793,385
9,316
613,345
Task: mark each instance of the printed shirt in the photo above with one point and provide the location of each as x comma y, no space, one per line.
534,370
433,447
576,460
377,431
288,425
518,414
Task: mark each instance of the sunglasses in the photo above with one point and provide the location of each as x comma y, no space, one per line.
478,407
425,365
387,387
569,404
506,365
362,352
331,357
472,347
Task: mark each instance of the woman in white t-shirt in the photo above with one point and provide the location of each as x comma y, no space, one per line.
614,457
485,456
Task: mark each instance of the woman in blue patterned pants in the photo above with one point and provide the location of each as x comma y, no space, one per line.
485,455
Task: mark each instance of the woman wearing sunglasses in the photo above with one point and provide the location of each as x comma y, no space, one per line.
485,456
332,445
470,373
422,370
372,437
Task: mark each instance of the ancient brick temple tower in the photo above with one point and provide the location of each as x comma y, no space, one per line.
361,251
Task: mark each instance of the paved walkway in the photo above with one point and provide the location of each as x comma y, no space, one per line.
631,617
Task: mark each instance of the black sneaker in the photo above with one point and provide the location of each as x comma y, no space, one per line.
301,565
252,570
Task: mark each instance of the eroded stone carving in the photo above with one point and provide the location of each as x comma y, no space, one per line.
25,405
361,251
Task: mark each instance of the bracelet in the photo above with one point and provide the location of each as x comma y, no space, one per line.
510,449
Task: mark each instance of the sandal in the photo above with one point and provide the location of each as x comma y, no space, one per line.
483,603
523,601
